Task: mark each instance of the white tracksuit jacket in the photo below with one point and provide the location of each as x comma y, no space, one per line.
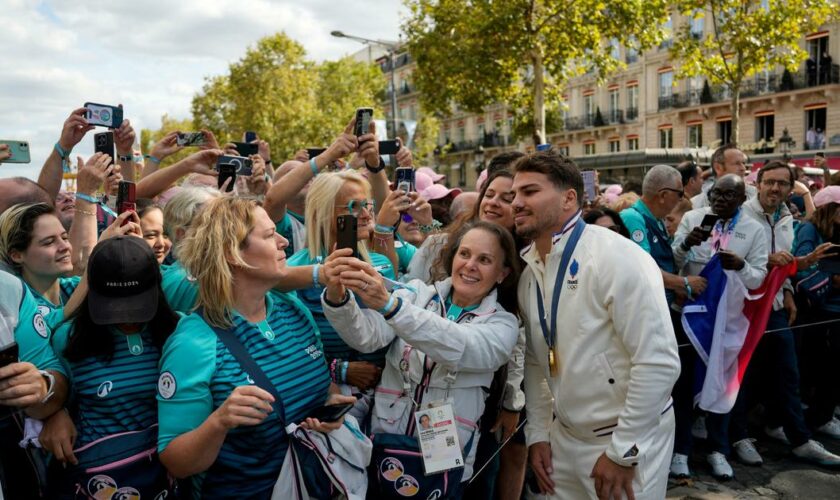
748,241
780,236
473,349
615,345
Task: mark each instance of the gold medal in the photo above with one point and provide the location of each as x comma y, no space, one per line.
552,362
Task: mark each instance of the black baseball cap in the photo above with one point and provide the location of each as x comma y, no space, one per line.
123,281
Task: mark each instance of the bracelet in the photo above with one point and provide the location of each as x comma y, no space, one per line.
395,311
688,288
379,228
388,305
377,169
84,212
344,365
126,157
313,166
434,226
332,369
86,197
62,153
315,269
152,159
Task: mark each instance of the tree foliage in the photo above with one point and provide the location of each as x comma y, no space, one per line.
519,52
288,100
747,37
168,124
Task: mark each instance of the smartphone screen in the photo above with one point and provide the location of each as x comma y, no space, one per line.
190,139
227,171
103,115
589,184
389,147
241,165
126,197
346,233
404,179
246,149
331,413
250,136
363,118
103,142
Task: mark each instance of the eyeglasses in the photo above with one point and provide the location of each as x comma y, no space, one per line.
783,184
680,192
726,195
355,207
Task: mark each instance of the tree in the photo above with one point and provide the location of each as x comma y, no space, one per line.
519,52
746,37
289,101
167,124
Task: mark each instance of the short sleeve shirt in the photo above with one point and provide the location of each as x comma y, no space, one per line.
32,335
54,313
180,289
198,373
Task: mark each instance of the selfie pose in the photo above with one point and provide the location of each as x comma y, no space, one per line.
444,342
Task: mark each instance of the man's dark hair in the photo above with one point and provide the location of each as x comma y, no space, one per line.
776,165
688,170
503,161
560,170
720,153
22,190
632,186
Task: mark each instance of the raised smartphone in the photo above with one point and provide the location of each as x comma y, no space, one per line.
103,115
346,233
18,149
363,118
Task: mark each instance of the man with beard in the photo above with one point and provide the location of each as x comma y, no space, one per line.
601,358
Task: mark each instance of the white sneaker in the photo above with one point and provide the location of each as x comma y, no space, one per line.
679,466
831,428
815,453
698,428
778,434
721,469
746,452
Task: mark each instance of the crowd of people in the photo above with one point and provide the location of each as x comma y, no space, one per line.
223,339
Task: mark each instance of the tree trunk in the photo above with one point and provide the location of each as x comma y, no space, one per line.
734,136
539,99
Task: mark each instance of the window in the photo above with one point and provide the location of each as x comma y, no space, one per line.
696,23
614,105
615,145
666,138
462,175
695,135
481,133
666,84
461,137
589,148
589,108
765,127
563,150
668,30
725,131
816,119
631,53
615,52
695,90
632,102
633,144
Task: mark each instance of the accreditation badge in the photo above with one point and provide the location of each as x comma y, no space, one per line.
438,438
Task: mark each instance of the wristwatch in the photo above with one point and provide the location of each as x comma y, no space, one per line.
376,170
50,384
125,157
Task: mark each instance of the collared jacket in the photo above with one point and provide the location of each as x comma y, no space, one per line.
747,241
779,233
615,345
447,360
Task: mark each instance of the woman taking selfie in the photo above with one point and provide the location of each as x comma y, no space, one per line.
215,424
445,341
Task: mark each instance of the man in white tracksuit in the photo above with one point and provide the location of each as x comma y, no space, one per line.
600,423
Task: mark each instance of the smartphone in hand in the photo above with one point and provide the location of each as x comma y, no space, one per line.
589,184
190,139
103,142
346,233
19,151
250,136
404,179
227,171
103,115
246,148
126,197
330,413
241,165
708,223
363,118
389,147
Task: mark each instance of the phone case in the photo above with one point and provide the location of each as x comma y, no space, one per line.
404,179
363,118
246,149
104,115
346,233
227,171
19,150
103,142
389,147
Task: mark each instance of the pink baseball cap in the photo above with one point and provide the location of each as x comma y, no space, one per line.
422,181
436,177
438,191
480,181
831,194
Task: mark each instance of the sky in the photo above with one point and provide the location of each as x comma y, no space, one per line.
151,56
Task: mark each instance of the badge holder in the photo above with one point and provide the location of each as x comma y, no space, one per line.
437,434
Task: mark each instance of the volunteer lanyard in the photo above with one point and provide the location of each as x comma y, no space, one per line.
454,312
550,334
720,238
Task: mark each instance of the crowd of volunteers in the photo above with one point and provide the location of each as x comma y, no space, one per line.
322,329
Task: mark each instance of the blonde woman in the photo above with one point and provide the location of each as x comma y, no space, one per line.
215,425
331,195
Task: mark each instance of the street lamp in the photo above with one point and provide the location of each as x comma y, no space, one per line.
787,143
392,50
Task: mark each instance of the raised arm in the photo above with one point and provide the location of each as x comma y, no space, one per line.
74,130
157,182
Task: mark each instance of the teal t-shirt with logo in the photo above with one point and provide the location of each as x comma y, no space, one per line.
198,373
54,313
116,395
32,335
179,288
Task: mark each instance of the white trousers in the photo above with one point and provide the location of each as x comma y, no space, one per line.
572,460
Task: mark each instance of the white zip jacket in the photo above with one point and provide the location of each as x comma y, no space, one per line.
747,241
615,345
471,349
780,236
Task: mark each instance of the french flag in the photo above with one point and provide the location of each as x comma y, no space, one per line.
725,324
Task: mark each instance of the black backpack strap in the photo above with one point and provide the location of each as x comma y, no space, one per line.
249,365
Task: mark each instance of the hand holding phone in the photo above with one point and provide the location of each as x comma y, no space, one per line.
250,136
103,115
190,139
331,413
126,198
389,147
17,151
346,233
241,165
589,184
363,118
246,148
404,179
103,142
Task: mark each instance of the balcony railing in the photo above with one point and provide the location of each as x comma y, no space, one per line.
631,114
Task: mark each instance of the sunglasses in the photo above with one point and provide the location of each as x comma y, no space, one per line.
680,192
